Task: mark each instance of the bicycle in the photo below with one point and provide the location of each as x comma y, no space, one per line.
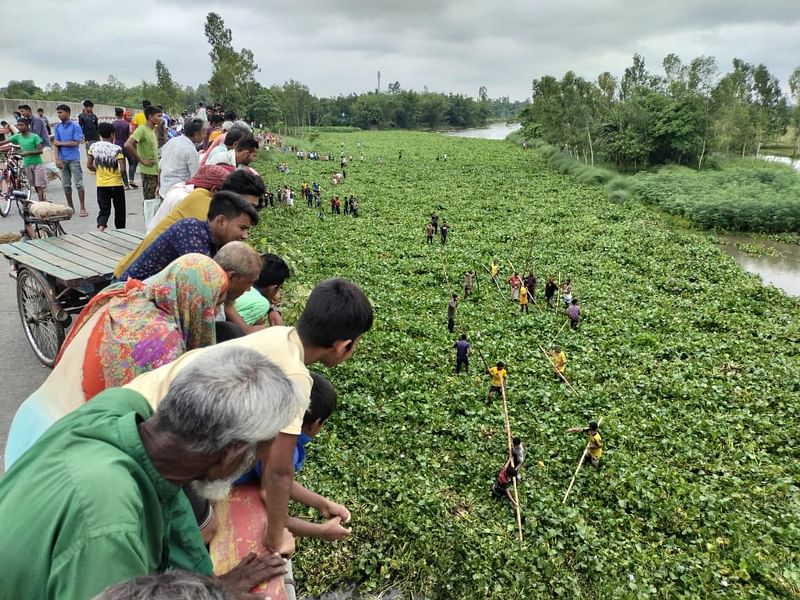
12,178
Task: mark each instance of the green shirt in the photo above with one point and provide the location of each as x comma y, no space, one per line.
252,306
28,143
147,147
85,508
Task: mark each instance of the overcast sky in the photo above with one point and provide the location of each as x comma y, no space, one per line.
337,46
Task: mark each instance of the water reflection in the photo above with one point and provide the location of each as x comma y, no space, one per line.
782,271
495,131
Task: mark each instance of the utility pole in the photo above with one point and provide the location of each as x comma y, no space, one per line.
378,91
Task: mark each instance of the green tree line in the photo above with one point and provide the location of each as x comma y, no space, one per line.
641,119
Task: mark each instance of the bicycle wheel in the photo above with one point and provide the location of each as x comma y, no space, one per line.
44,231
45,333
5,195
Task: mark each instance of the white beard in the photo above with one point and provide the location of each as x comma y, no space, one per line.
219,489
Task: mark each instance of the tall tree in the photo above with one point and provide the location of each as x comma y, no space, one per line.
233,72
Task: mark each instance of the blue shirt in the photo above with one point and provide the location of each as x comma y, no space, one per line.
68,132
462,348
184,237
254,474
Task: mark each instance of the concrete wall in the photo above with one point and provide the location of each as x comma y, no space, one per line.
9,105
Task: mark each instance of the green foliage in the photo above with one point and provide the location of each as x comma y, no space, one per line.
232,71
645,120
692,363
743,196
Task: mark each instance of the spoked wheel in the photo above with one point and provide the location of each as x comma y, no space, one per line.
44,331
5,196
45,231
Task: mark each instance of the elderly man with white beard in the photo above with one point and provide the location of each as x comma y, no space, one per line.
98,499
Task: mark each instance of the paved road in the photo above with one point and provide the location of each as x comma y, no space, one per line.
20,371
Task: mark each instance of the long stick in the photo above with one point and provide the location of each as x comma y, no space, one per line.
513,270
493,279
446,278
510,456
578,468
559,373
559,331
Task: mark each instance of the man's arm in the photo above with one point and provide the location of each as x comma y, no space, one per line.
130,145
276,485
331,530
232,315
327,508
193,162
90,163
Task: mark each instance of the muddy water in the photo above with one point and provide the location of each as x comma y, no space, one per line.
495,131
782,271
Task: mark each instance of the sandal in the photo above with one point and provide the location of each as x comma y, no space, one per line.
84,213
134,186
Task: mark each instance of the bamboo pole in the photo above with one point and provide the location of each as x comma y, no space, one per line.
578,468
559,373
446,278
493,279
510,457
559,331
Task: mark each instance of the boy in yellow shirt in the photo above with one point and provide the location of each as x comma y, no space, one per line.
559,362
498,376
595,448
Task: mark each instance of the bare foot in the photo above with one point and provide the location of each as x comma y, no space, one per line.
84,213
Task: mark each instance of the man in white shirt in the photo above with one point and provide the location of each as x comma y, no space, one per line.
179,157
201,113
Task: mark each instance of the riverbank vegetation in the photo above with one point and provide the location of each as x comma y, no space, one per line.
641,120
691,362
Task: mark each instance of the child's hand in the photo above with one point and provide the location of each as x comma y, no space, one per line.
333,530
332,509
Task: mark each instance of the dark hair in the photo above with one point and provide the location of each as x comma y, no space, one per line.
192,128
88,103
199,104
146,103
24,106
151,110
336,310
511,471
64,107
215,118
246,143
119,111
242,182
501,365
463,336
593,426
574,300
233,136
516,441
230,115
230,205
25,120
323,400
40,109
105,130
274,271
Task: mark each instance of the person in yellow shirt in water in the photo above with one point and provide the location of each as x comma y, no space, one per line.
595,447
498,376
494,269
559,362
523,299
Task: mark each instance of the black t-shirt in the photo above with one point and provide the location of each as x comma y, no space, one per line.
550,288
88,123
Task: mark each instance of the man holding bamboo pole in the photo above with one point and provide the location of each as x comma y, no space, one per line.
594,448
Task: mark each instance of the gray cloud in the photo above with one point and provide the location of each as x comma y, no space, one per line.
446,45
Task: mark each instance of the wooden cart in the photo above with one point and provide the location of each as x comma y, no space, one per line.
57,276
